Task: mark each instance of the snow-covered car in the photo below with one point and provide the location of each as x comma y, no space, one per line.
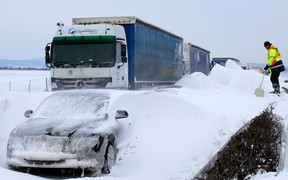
74,129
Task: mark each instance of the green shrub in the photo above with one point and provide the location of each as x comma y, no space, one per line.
254,147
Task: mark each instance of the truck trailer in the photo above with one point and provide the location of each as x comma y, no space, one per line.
113,52
196,59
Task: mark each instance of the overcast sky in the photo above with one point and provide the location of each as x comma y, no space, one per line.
227,28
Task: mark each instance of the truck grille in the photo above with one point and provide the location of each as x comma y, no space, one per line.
81,83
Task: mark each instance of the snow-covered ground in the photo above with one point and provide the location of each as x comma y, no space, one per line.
176,130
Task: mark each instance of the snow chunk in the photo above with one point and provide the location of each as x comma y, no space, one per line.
233,65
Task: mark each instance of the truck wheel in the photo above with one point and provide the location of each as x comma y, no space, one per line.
110,158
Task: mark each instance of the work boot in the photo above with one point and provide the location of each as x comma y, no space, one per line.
276,89
274,92
274,86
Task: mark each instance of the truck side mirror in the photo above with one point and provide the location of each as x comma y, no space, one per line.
47,48
123,50
123,53
124,59
47,54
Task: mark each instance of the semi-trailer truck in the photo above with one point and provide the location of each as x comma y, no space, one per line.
113,52
196,59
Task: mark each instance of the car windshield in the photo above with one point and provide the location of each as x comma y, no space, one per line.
73,105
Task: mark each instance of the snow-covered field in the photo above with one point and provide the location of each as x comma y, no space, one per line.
24,80
176,130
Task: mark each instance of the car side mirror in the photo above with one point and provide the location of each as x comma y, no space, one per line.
28,113
121,114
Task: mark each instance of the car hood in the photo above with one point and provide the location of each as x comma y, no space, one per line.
62,127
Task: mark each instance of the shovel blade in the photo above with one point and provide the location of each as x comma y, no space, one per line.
259,92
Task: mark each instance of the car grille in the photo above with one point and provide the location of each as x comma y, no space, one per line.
45,143
34,162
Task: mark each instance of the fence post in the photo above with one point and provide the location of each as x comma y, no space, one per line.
9,86
46,90
29,86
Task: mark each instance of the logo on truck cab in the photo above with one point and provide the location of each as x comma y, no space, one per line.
71,31
82,31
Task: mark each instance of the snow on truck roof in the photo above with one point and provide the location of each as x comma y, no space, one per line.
119,20
198,47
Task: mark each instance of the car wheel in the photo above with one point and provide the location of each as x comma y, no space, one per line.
110,158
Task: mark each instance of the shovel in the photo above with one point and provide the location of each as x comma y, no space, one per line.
258,91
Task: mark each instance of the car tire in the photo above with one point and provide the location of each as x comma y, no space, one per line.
110,158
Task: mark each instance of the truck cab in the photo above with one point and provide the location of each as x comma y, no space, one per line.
88,56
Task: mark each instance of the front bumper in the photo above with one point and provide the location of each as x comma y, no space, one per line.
51,161
54,152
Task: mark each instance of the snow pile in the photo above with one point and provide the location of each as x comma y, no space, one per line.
198,81
238,79
233,65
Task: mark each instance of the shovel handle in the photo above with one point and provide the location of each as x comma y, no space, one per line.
262,80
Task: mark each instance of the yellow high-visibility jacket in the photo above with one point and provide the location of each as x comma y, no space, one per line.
275,63
273,55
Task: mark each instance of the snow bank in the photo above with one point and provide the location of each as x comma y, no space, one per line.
11,175
232,77
270,176
238,79
197,81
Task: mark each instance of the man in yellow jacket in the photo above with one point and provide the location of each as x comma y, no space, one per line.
274,65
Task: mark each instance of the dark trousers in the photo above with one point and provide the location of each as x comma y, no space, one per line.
274,78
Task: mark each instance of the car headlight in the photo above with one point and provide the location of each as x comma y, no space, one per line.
14,143
82,145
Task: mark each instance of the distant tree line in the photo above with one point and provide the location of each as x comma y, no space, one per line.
23,68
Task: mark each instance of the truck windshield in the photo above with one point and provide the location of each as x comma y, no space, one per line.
84,55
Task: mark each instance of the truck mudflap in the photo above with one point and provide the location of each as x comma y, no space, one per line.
83,83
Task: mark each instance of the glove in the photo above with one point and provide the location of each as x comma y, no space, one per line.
266,67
